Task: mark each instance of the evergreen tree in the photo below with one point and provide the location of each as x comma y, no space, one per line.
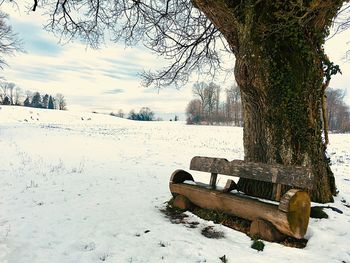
6,101
45,101
26,102
51,105
36,100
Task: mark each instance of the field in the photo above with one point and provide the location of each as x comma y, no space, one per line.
84,187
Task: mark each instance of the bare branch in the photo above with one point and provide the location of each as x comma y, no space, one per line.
174,30
9,41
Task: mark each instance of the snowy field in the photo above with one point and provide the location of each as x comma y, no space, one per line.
83,187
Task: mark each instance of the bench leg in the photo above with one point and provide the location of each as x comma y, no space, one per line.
182,202
265,230
213,178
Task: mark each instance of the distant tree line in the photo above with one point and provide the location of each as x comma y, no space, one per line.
338,113
206,107
10,94
144,114
120,114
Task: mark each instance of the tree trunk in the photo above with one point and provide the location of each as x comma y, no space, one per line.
282,120
280,71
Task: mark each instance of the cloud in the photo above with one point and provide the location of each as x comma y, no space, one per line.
35,73
114,91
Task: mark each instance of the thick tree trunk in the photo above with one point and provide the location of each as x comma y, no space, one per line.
280,71
282,119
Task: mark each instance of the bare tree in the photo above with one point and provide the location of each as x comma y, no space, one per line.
211,98
209,95
199,90
120,113
61,101
18,94
234,105
217,100
337,111
212,110
9,41
3,92
194,111
7,91
11,87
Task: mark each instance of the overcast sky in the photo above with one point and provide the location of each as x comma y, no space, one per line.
107,79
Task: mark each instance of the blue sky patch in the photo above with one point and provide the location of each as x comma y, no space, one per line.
34,43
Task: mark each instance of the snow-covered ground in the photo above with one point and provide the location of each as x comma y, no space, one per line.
83,187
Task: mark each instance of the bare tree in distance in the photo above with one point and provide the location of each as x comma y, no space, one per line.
199,90
280,64
7,89
3,92
61,101
18,94
194,111
209,95
11,87
338,113
208,109
212,100
120,113
234,105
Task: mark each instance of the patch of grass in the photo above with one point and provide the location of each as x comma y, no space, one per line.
258,245
317,212
192,224
209,232
294,242
175,215
211,215
217,217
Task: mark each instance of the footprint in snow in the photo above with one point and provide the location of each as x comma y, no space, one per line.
90,246
104,257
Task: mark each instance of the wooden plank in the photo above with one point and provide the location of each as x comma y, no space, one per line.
248,208
296,176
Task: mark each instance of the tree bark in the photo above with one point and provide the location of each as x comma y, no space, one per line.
279,68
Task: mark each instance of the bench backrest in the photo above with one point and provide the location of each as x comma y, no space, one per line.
296,176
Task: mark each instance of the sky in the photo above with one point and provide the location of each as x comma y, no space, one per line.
107,79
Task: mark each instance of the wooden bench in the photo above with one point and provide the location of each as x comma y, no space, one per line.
269,221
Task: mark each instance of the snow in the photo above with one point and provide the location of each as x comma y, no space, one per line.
85,187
